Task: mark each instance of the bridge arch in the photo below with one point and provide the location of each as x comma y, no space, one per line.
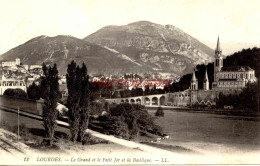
126,100
122,101
147,101
154,101
138,101
132,101
162,100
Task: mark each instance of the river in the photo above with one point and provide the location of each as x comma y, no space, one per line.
212,132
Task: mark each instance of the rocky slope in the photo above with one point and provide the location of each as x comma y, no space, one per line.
137,47
158,47
63,49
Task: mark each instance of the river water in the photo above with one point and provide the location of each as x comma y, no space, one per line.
222,133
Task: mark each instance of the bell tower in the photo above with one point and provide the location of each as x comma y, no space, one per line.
218,63
194,82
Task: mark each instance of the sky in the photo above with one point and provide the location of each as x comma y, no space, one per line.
237,22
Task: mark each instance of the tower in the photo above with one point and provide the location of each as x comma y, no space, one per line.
206,81
218,64
194,82
17,61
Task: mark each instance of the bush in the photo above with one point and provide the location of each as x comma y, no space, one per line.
114,125
159,112
96,108
34,91
136,118
18,93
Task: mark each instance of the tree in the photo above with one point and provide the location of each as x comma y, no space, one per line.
116,95
95,91
78,100
147,91
74,84
137,92
246,100
18,93
159,112
84,103
34,92
52,95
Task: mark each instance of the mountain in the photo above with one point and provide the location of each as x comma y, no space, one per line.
139,47
63,49
159,48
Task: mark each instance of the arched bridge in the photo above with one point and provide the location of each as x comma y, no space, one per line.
149,100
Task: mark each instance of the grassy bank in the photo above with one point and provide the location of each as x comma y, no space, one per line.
211,111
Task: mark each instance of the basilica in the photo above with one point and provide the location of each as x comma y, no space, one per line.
230,79
227,80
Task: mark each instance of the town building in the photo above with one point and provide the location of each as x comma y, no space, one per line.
10,83
11,63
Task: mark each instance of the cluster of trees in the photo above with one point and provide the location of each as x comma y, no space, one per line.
100,89
246,57
77,102
137,92
246,100
127,120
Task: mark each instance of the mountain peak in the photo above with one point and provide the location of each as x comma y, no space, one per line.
161,48
142,23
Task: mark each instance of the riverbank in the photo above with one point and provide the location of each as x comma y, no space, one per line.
184,146
208,110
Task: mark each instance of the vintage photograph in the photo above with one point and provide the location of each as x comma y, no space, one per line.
129,82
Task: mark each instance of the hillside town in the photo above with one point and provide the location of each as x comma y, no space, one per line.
14,75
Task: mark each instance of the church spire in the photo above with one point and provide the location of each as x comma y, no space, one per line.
218,45
206,75
206,81
194,81
193,77
218,49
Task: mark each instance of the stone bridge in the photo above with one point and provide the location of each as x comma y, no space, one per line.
149,100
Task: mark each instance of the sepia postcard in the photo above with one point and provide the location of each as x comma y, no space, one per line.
129,82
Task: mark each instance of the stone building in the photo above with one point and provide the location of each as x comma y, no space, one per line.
194,96
227,80
11,63
230,79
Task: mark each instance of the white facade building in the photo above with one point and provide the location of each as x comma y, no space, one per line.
11,84
231,78
11,63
